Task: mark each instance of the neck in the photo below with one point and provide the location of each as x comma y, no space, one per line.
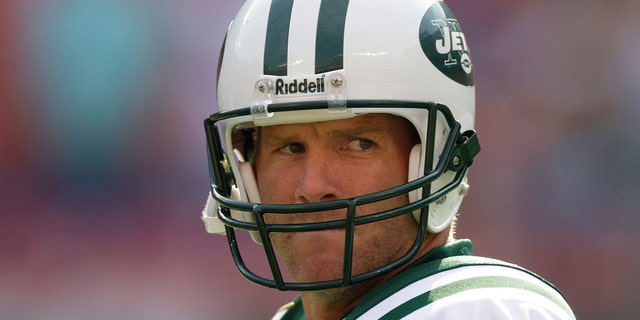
336,302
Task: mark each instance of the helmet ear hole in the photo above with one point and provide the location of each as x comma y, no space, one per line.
443,211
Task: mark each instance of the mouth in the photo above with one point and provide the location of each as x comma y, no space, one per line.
336,219
328,231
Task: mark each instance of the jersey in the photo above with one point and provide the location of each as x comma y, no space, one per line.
450,283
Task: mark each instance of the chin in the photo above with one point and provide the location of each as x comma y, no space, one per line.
319,267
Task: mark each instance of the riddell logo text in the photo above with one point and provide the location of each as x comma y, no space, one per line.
298,86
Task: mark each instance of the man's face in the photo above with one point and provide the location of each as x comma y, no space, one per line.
323,161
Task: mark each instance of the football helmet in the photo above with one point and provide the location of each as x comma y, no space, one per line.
286,61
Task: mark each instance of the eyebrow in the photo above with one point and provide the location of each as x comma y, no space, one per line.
277,139
356,131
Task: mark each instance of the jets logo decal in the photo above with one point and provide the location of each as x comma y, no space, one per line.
444,43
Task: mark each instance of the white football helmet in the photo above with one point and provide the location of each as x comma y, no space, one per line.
286,61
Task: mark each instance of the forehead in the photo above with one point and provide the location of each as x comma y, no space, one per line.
360,124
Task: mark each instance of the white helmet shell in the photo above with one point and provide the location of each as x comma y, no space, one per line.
339,51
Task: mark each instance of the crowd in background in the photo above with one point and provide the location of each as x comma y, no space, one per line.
103,170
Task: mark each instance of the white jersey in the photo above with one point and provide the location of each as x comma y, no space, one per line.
450,284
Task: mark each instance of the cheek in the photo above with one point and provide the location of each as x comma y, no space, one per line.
273,185
386,174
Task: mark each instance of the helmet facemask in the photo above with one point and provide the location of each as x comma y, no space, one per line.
237,203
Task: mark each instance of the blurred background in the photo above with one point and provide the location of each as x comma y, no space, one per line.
103,171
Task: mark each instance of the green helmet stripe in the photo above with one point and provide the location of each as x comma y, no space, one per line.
277,40
330,35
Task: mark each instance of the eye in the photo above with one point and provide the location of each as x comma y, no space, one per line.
360,144
292,148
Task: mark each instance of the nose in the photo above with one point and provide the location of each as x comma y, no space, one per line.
319,178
